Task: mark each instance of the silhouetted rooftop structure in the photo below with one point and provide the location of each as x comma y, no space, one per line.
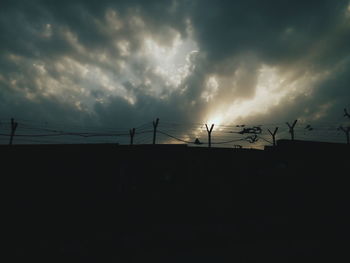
308,146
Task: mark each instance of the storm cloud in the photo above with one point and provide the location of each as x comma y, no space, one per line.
123,63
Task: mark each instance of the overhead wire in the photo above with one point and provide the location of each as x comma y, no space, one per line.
174,137
176,131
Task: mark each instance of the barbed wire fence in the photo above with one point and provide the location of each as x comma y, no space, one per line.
22,131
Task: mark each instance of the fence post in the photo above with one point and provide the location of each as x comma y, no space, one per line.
347,133
132,134
155,125
273,134
13,130
209,134
291,128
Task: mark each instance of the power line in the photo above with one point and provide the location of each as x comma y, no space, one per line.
171,136
226,142
222,133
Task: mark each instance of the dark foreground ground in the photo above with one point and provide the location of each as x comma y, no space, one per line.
168,203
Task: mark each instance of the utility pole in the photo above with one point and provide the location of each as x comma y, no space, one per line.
209,134
347,133
291,128
13,130
155,125
132,134
273,134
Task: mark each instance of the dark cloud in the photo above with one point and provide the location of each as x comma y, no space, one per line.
131,61
276,30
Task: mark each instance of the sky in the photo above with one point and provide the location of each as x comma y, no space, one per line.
125,63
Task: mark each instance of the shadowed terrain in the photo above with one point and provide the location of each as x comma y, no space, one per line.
176,203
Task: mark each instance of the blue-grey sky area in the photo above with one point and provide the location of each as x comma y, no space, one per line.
123,63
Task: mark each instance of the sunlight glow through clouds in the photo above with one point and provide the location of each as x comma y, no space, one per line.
216,119
211,89
182,61
271,90
78,78
170,62
126,70
124,47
